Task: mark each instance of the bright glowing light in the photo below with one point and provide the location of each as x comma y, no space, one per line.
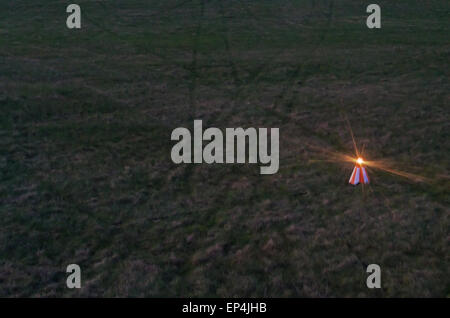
333,156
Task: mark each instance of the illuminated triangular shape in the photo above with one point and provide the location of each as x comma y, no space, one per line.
359,175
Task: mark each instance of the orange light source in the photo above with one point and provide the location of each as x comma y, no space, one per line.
359,174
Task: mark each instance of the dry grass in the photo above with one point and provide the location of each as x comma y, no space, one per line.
85,168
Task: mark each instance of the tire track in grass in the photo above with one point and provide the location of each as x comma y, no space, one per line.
241,88
239,84
145,48
188,170
165,10
263,68
194,61
287,89
244,84
192,67
226,41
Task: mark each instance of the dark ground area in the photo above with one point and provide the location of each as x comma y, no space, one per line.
85,169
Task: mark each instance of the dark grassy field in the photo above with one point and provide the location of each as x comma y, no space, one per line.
86,175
